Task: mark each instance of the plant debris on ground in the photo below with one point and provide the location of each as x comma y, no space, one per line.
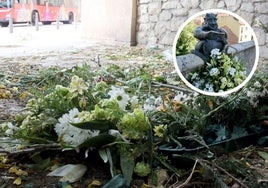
125,111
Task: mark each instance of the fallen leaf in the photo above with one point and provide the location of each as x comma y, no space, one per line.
145,186
17,181
94,183
210,104
248,165
24,95
18,172
12,170
68,186
235,185
70,172
3,159
264,155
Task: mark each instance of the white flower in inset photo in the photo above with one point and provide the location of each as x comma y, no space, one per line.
215,53
120,95
209,87
214,72
232,71
196,84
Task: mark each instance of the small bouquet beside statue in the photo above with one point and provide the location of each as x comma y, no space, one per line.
221,71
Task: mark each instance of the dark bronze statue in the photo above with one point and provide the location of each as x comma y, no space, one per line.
210,37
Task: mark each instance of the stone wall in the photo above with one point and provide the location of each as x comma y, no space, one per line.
159,20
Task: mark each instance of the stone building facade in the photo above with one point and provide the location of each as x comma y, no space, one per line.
159,20
156,22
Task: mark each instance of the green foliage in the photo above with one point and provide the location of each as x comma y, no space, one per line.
186,41
142,169
107,109
127,162
134,125
98,141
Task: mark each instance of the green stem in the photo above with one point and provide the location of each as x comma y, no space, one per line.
219,107
167,165
175,141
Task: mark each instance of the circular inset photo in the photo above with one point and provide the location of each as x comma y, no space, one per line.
215,52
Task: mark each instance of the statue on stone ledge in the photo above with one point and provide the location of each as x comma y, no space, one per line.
210,37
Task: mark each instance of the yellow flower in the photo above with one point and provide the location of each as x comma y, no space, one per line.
160,130
77,86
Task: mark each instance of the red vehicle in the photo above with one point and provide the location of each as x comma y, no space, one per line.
46,11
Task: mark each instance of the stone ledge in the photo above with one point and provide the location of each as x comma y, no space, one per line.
236,48
246,53
188,63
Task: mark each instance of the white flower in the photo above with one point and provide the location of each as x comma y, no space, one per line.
214,72
70,135
158,101
134,100
148,107
232,71
250,94
196,84
180,97
120,95
215,53
209,87
152,103
10,129
257,84
224,80
253,98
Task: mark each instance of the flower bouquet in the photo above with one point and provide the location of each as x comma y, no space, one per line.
221,73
